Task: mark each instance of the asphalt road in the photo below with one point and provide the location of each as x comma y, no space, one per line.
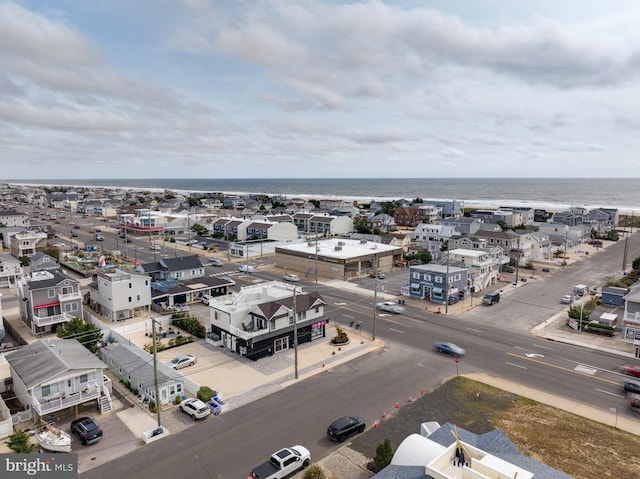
496,340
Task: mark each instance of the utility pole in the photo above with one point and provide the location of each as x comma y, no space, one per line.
446,286
316,255
518,259
295,333
155,367
375,296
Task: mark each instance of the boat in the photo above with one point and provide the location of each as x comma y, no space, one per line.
54,439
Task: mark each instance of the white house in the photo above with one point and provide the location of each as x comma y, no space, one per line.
117,294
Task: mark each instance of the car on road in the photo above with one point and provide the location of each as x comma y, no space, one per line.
345,427
59,245
155,247
74,235
87,430
379,275
215,262
546,270
291,277
566,299
76,227
183,361
390,307
181,307
247,269
99,237
195,408
631,370
449,348
631,386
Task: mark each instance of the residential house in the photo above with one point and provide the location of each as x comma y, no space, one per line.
433,237
133,365
268,231
536,244
522,215
448,451
322,225
409,216
434,281
14,218
117,294
10,271
463,225
507,240
52,376
483,265
26,242
179,268
48,299
467,242
43,262
450,208
264,319
493,216
381,222
631,318
431,213
401,239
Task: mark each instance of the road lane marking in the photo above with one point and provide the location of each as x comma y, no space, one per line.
475,330
585,369
543,347
534,355
544,363
516,365
396,330
610,393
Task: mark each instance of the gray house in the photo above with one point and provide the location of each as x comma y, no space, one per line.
430,281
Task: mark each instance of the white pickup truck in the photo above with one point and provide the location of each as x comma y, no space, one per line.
282,463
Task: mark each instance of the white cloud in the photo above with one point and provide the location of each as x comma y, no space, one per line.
273,86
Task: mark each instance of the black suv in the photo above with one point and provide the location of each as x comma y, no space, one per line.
344,427
87,430
505,268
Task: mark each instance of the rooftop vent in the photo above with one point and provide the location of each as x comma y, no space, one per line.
338,248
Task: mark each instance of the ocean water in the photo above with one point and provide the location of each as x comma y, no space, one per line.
553,194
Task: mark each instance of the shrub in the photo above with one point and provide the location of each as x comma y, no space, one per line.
314,472
20,443
152,406
191,325
205,393
341,336
178,400
384,454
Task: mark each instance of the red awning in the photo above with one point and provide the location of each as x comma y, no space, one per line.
48,305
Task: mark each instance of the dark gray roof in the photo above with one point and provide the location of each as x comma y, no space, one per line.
181,263
57,278
41,361
402,472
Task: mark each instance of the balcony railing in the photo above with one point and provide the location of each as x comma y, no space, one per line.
56,318
69,296
64,401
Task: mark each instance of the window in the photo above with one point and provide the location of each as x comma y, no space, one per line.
85,378
51,293
68,308
438,279
50,389
129,298
281,344
138,297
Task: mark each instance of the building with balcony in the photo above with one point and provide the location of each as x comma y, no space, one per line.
264,319
10,271
26,242
56,375
117,294
48,299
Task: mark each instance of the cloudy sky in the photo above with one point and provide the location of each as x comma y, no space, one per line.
318,88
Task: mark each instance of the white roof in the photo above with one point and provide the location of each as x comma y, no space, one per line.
341,248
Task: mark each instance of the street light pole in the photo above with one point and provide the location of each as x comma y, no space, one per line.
375,297
295,333
316,255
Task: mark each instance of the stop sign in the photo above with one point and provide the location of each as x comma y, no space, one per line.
457,359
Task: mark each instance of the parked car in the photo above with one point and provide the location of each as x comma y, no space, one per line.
390,307
449,348
206,298
183,361
346,426
247,269
59,245
631,370
379,275
215,262
546,270
181,307
156,247
566,299
87,430
505,268
74,235
291,277
593,290
99,237
195,408
631,386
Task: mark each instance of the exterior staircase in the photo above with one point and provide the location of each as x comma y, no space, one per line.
105,403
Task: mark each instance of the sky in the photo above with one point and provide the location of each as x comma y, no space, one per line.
319,88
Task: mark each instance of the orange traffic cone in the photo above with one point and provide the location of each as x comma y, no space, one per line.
422,392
